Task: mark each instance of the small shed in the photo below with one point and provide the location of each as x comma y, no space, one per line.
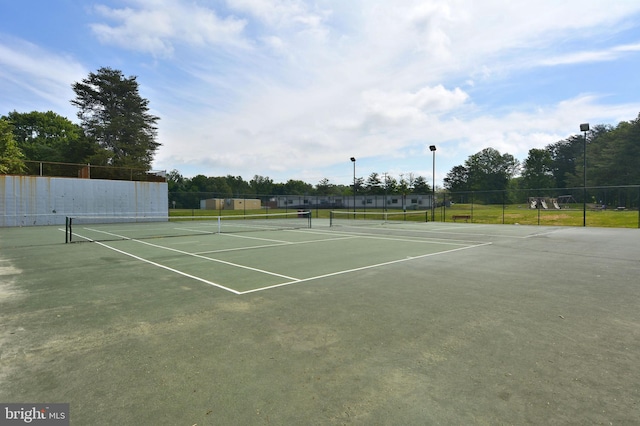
230,204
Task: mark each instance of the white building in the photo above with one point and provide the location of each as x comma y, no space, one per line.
362,202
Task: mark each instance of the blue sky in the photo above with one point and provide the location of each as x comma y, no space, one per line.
291,89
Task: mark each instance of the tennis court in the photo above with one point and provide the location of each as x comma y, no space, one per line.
356,323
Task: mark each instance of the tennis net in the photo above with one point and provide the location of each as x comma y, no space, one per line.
109,228
346,218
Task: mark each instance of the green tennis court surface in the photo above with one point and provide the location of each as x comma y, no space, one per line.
401,323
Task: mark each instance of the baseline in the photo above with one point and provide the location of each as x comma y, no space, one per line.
453,231
430,240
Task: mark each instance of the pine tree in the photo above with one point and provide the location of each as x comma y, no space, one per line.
113,113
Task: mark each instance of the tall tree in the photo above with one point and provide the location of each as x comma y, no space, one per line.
457,179
390,185
565,155
113,113
613,155
487,171
11,157
359,186
537,170
490,170
627,155
373,185
325,187
421,186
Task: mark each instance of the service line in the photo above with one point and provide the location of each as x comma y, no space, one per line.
362,268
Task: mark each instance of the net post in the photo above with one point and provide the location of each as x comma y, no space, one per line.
331,218
69,229
219,224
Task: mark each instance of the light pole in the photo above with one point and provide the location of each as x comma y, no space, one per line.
584,128
353,160
384,204
433,196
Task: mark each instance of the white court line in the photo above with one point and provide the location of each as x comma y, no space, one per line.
197,255
420,241
248,237
224,262
348,237
159,265
444,229
473,234
293,280
199,231
553,231
347,271
375,236
429,240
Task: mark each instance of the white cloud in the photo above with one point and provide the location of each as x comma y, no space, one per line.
156,25
279,14
413,106
36,77
602,55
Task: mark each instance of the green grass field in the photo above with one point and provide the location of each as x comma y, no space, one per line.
489,214
512,214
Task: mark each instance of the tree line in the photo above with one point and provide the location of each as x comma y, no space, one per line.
235,186
612,154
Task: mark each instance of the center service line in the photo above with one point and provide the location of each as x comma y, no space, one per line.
361,268
168,268
199,256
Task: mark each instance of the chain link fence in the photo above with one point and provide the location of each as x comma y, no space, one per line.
200,200
610,206
89,171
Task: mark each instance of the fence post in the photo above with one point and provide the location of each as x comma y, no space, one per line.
444,207
473,199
